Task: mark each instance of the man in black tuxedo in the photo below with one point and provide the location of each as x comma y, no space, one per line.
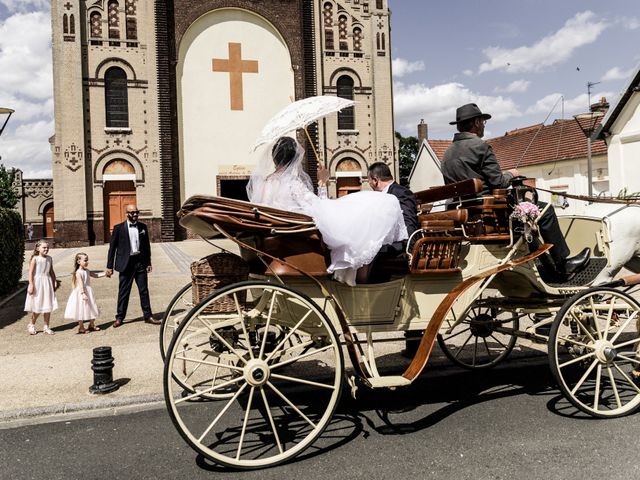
130,251
381,180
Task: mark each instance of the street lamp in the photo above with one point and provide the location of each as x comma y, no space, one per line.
8,112
587,123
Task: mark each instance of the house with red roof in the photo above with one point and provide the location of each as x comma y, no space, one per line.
554,156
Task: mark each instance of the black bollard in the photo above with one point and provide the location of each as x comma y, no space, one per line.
102,366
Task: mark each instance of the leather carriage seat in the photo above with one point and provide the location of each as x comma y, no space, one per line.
472,186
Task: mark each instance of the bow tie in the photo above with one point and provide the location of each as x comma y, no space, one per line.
133,225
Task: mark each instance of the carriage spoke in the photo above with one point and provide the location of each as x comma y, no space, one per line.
487,347
244,423
222,412
192,371
296,409
609,316
291,332
209,390
614,386
299,357
629,380
629,359
306,382
596,394
213,364
581,326
456,334
459,351
224,342
577,359
627,343
267,324
475,350
626,324
574,342
595,317
273,425
501,344
584,377
244,327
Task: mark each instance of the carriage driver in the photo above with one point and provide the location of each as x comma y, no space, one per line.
470,157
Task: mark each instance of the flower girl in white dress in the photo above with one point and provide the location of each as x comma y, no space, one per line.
41,297
354,227
82,303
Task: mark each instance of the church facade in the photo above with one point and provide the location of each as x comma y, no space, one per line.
157,101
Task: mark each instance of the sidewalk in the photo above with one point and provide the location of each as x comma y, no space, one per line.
44,375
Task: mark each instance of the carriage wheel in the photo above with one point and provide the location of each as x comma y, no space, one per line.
594,352
277,359
481,340
178,308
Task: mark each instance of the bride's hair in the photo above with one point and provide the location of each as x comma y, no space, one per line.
284,152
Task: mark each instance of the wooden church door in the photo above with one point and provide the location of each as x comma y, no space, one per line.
117,195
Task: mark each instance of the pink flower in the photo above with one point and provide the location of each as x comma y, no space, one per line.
525,212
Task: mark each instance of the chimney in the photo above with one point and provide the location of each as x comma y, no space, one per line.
423,132
601,106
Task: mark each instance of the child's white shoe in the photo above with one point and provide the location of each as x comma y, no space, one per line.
47,330
31,328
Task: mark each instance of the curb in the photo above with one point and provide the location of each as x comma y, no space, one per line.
68,408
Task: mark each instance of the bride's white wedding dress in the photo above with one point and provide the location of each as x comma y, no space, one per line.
354,227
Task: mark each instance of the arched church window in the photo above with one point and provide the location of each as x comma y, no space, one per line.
329,44
116,98
379,4
357,39
382,43
119,167
131,22
65,24
114,22
96,24
72,25
378,40
342,32
327,13
346,116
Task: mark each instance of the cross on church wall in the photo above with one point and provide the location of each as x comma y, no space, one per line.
68,6
235,66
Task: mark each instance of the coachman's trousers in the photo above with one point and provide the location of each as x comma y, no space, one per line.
134,271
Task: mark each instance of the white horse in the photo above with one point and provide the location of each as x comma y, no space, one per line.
623,222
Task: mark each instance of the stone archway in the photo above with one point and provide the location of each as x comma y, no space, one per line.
48,219
118,192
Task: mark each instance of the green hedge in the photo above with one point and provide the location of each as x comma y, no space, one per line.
11,249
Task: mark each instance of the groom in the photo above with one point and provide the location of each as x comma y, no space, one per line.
130,251
381,180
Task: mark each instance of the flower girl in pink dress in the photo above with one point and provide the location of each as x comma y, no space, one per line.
82,303
41,297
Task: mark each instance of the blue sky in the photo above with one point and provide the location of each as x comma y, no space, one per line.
513,58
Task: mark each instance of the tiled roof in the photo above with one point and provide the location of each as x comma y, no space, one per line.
561,140
439,147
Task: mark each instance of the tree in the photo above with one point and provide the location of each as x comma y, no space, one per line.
8,195
407,153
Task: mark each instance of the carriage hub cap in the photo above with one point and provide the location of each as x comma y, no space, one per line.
605,351
256,372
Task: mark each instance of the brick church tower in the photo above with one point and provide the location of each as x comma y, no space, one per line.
159,100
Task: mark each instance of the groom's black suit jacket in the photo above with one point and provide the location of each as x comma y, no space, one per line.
120,246
408,205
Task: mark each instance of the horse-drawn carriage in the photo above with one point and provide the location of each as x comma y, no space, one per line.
254,371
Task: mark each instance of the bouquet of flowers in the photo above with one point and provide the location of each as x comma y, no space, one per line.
527,213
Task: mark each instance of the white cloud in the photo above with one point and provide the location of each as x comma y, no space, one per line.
553,49
401,67
468,72
578,104
616,73
517,86
437,106
631,23
26,81
25,5
27,148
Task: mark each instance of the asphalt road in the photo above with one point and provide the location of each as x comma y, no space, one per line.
507,423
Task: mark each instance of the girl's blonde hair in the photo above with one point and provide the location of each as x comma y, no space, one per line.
35,249
76,265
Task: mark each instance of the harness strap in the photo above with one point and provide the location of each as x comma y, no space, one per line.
587,198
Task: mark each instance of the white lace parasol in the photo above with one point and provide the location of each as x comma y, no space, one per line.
300,114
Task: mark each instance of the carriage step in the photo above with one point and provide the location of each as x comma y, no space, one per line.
388,382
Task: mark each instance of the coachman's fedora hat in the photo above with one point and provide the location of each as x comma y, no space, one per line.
468,111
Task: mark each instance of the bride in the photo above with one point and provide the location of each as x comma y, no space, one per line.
354,227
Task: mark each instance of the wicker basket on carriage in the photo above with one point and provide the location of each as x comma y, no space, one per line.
214,272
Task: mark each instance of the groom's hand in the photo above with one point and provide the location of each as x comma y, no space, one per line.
323,175
108,272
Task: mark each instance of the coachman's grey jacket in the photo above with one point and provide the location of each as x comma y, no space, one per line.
471,157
